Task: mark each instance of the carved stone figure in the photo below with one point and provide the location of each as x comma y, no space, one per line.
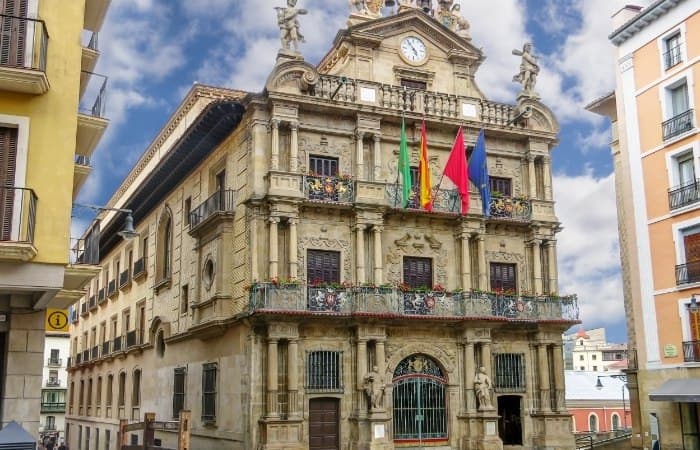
462,26
371,8
528,70
287,19
482,389
373,385
357,6
450,16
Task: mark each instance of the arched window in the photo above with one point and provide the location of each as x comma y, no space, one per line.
164,246
419,395
593,423
615,421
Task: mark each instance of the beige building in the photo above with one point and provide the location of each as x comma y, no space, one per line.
279,290
656,156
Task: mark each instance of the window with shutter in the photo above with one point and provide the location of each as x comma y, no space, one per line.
503,277
13,31
501,185
418,272
8,159
323,166
323,266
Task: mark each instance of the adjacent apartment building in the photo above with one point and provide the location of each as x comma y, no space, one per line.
54,377
282,291
656,152
588,350
51,118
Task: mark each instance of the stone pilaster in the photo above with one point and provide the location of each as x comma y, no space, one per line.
547,175
378,261
275,144
360,253
294,147
377,151
543,373
273,248
359,155
272,378
293,261
536,267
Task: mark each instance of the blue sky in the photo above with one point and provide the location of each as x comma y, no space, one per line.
153,50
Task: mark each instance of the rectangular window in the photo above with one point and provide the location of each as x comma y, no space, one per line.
209,392
186,210
179,391
80,437
686,169
501,186
110,383
503,278
672,50
418,272
323,166
323,266
53,359
8,161
107,439
185,299
414,84
98,393
122,389
594,357
679,99
509,370
690,271
136,389
324,371
580,358
595,368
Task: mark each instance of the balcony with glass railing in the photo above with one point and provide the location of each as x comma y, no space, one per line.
17,223
677,125
24,43
82,262
395,302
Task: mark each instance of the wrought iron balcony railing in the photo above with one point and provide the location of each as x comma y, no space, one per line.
220,201
124,278
54,362
53,407
131,339
92,302
117,344
685,195
393,301
84,309
677,125
17,214
139,267
672,57
111,288
691,351
444,200
329,189
688,273
85,250
24,43
510,208
105,348
400,98
92,102
101,297
95,352
53,382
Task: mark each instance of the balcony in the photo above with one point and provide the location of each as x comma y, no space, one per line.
359,301
691,351
82,262
510,208
111,288
17,222
91,112
74,316
685,195
688,273
23,57
54,362
90,51
81,171
92,302
219,205
84,309
117,344
53,382
95,352
131,339
139,268
105,348
86,356
124,279
53,407
444,200
672,57
329,189
95,11
677,125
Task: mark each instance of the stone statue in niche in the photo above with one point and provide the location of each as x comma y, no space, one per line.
482,388
373,384
287,19
529,69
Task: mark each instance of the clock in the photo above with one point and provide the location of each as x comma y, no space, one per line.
413,50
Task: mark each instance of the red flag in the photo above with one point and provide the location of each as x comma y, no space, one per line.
456,169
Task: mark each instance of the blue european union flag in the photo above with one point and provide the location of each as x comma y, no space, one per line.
479,172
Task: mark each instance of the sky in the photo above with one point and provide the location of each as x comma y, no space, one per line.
154,50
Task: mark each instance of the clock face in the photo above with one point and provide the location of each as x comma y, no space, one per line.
413,49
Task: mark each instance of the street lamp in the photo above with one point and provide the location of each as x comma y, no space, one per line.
693,307
127,232
623,377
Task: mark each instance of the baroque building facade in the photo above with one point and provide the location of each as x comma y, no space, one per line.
279,290
655,151
51,118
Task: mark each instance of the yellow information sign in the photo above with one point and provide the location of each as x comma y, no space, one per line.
57,320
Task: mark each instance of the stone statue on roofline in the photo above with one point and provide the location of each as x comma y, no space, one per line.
287,19
449,14
366,8
529,69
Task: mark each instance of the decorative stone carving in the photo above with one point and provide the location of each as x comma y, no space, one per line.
529,69
369,8
289,25
482,388
373,384
396,354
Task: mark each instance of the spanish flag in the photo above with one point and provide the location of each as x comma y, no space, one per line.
426,200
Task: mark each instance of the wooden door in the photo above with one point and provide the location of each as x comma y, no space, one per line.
13,32
324,427
8,159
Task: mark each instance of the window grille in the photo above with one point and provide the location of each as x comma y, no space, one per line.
209,392
509,370
178,391
324,371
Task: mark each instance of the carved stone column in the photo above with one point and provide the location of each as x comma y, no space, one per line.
466,262
272,378
293,261
547,175
361,371
536,267
294,147
359,156
558,362
275,145
552,266
481,250
486,357
531,175
378,263
274,250
293,376
380,356
360,253
377,151
543,372
469,372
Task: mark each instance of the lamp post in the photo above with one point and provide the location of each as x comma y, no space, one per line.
623,377
128,231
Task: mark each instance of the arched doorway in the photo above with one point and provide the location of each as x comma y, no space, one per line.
419,400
